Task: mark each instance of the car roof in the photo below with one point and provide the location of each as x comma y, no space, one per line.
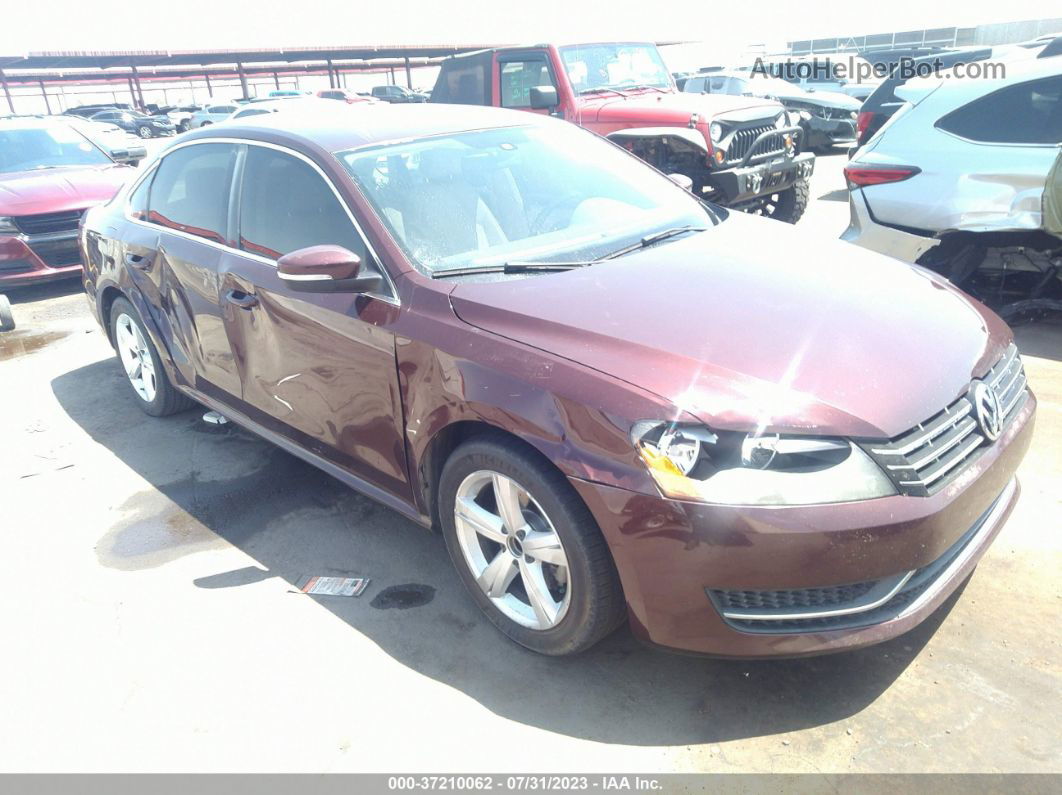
334,127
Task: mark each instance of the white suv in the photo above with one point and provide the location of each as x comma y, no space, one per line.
955,179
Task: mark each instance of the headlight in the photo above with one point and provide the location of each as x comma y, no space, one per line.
691,462
8,225
716,131
781,121
805,115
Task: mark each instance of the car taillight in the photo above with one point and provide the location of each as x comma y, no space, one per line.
863,123
859,176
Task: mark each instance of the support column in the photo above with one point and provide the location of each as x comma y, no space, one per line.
132,91
210,89
276,81
243,79
44,94
409,75
139,89
331,76
392,71
7,91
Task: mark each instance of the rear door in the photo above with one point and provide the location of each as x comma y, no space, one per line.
318,368
174,254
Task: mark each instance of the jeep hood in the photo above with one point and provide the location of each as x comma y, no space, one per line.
756,324
53,190
655,108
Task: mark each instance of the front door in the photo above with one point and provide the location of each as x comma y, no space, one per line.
318,368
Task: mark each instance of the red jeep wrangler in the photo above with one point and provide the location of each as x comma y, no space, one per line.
740,152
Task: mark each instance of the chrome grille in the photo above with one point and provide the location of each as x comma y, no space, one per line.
49,223
924,459
742,140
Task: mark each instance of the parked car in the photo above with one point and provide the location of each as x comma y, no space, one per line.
86,111
826,118
836,72
120,145
345,95
180,115
49,174
737,151
310,103
397,94
139,123
955,181
212,114
287,92
813,463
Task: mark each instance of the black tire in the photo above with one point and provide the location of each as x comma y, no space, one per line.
597,606
7,318
789,205
144,131
182,126
167,399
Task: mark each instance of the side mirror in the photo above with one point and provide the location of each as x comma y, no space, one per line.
681,180
326,269
544,98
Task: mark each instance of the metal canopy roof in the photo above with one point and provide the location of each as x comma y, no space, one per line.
145,58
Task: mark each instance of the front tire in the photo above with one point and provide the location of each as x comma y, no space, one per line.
527,548
7,319
143,367
788,205
144,131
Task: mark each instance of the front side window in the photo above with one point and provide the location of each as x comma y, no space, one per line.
190,192
532,193
58,146
286,205
1025,113
518,78
597,67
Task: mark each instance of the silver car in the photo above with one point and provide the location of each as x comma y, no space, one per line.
212,114
955,180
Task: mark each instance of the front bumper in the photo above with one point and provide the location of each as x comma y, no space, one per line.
674,558
26,259
744,183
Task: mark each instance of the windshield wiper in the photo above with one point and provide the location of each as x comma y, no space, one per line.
509,267
648,240
601,90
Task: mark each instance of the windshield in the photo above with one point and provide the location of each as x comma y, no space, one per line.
617,66
548,193
52,147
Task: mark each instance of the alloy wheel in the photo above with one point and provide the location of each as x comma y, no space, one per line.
144,131
136,358
512,550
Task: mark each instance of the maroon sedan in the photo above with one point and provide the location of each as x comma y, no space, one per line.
612,399
49,174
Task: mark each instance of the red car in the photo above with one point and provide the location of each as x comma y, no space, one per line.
346,95
612,399
49,175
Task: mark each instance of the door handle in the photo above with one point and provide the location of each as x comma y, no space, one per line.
139,261
241,299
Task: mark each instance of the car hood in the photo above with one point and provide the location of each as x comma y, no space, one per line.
57,189
676,108
756,324
826,99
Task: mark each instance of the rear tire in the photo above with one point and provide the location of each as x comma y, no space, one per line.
569,562
151,386
7,318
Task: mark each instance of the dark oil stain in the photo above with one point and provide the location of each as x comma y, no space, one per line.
17,343
403,597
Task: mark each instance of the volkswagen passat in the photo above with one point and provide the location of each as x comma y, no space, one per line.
612,399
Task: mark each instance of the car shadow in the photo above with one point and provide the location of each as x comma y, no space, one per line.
294,521
1042,339
43,291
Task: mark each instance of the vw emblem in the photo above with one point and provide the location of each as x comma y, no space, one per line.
987,410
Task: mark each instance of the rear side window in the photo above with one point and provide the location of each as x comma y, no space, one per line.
190,191
1025,113
465,80
286,205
